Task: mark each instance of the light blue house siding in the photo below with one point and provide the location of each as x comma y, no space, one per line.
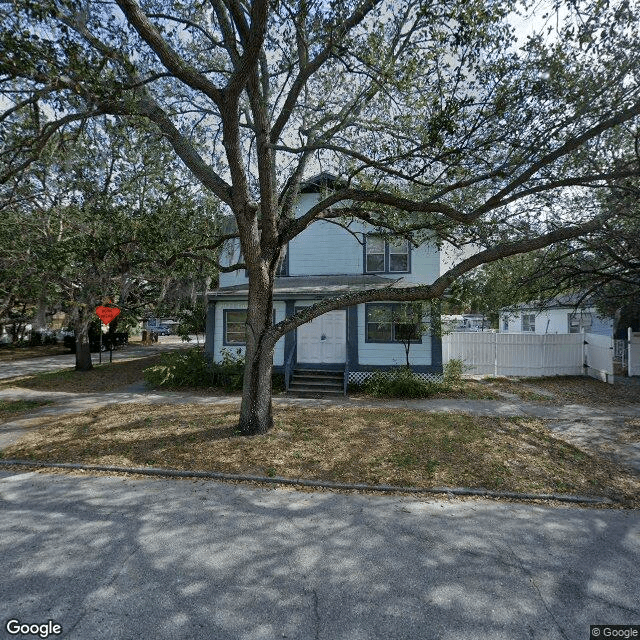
326,260
217,324
325,248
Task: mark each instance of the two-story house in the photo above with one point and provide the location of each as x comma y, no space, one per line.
324,261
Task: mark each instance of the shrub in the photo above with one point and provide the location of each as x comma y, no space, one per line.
39,339
190,368
187,368
453,371
229,374
399,383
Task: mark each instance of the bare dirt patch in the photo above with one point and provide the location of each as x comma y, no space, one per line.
339,444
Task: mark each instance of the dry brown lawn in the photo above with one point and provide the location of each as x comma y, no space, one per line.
9,354
105,377
10,409
568,389
394,447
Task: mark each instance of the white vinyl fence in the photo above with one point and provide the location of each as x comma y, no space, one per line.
521,354
633,361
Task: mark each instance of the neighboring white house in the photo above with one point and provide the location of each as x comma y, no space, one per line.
560,315
327,260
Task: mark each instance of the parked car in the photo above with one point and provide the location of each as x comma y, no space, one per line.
162,330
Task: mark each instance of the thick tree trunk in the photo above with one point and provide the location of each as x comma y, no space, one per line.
83,349
255,411
40,319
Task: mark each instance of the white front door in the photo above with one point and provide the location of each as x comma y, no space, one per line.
324,339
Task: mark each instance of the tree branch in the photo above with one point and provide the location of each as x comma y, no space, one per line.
435,290
169,58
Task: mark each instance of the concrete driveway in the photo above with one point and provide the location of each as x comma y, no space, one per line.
118,558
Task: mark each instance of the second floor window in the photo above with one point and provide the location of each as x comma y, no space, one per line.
386,256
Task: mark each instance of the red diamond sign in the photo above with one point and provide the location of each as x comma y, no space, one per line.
107,314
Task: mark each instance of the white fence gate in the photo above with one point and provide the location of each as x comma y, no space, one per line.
598,359
633,360
521,354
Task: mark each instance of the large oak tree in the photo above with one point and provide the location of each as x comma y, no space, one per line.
439,124
105,213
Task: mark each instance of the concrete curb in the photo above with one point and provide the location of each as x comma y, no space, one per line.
317,484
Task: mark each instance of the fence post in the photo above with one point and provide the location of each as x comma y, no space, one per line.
495,355
629,337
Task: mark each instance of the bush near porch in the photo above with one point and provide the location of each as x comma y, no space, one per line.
192,370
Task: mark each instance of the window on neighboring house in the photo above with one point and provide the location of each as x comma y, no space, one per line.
387,322
386,256
529,322
505,323
235,329
579,321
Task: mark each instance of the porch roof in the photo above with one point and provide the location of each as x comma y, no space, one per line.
294,287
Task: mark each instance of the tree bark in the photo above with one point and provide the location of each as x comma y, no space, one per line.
255,411
83,349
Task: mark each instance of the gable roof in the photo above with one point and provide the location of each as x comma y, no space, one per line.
317,183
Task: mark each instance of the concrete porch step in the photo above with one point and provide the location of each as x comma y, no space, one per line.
316,383
308,379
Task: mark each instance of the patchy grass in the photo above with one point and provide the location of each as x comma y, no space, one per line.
10,353
10,409
374,446
102,378
568,389
631,431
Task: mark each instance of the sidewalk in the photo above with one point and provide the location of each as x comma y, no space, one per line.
29,366
601,429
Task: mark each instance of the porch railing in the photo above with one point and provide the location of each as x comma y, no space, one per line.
346,370
288,364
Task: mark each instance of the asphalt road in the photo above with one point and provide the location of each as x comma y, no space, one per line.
117,558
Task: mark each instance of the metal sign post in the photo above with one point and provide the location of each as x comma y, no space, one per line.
106,315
